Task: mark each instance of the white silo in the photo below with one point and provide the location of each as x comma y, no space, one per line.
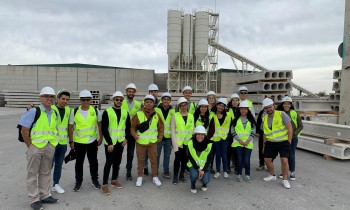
201,32
187,42
174,35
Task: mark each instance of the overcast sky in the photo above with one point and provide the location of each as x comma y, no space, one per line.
301,35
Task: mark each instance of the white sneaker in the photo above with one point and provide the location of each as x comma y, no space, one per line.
225,175
280,176
156,181
204,188
269,178
193,190
58,189
216,175
139,181
286,184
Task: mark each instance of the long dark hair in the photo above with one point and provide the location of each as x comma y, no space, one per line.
280,107
249,117
197,113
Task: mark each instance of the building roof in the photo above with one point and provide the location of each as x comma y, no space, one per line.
75,65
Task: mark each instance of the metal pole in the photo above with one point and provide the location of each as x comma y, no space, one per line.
344,112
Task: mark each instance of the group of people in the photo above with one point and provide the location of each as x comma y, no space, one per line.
215,128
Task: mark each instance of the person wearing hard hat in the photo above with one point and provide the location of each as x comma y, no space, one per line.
297,124
85,135
199,150
182,125
116,130
203,115
219,130
243,92
187,93
41,139
278,133
211,98
242,130
132,106
148,130
165,111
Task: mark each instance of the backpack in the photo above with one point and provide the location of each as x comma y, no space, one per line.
37,115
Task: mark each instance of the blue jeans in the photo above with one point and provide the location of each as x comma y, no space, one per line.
221,154
166,143
194,176
291,159
243,159
58,158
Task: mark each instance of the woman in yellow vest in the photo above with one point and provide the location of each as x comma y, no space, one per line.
243,135
203,115
182,125
199,150
297,126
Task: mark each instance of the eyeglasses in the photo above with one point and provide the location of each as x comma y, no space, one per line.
243,93
48,96
117,99
85,99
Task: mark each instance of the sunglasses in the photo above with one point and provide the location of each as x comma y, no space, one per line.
48,96
243,93
117,99
85,99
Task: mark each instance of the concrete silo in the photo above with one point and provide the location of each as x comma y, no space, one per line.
201,31
187,42
174,37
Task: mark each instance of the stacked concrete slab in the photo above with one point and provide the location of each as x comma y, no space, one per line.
335,97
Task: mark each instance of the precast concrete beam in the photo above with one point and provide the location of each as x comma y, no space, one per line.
313,105
258,98
336,86
327,130
326,118
315,144
335,107
266,75
337,74
334,96
267,87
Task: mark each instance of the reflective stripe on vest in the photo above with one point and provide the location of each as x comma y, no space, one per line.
135,108
43,132
243,134
221,131
167,121
294,117
279,131
202,159
85,129
116,130
150,135
183,131
62,124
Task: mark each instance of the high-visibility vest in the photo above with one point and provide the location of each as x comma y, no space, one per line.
183,131
294,117
116,130
250,103
202,159
192,108
279,131
200,122
243,134
150,135
43,132
221,131
135,108
62,124
85,129
230,112
167,121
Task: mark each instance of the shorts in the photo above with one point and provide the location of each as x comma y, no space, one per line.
272,149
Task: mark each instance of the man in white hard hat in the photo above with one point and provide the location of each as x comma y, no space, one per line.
278,134
148,130
243,92
85,135
132,106
41,139
116,130
191,106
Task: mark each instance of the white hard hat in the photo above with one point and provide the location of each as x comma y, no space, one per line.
85,94
152,87
187,88
235,95
243,88
166,94
47,91
222,100
149,97
60,92
181,100
287,99
118,94
130,85
203,102
211,93
200,129
267,102
244,104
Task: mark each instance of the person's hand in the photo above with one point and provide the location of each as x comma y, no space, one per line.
200,174
124,142
30,106
241,142
99,142
28,143
136,137
110,148
71,145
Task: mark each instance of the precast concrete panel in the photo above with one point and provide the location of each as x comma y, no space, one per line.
187,42
201,31
174,34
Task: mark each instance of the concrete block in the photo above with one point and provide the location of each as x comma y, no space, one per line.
313,105
337,74
326,118
267,87
327,130
336,86
265,76
334,96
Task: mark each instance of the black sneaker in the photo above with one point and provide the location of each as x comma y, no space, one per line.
128,176
77,187
50,200
145,171
37,205
182,178
175,179
96,184
166,175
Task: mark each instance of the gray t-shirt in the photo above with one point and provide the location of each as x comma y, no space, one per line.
285,119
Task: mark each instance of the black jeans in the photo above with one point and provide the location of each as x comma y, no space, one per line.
91,151
261,145
180,158
130,154
112,158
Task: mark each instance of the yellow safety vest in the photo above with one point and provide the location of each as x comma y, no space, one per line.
116,130
202,159
183,131
192,108
135,108
243,134
150,135
230,112
85,128
200,122
62,124
167,121
43,132
294,117
279,131
221,131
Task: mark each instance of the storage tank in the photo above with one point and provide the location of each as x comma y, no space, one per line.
187,41
174,35
201,32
